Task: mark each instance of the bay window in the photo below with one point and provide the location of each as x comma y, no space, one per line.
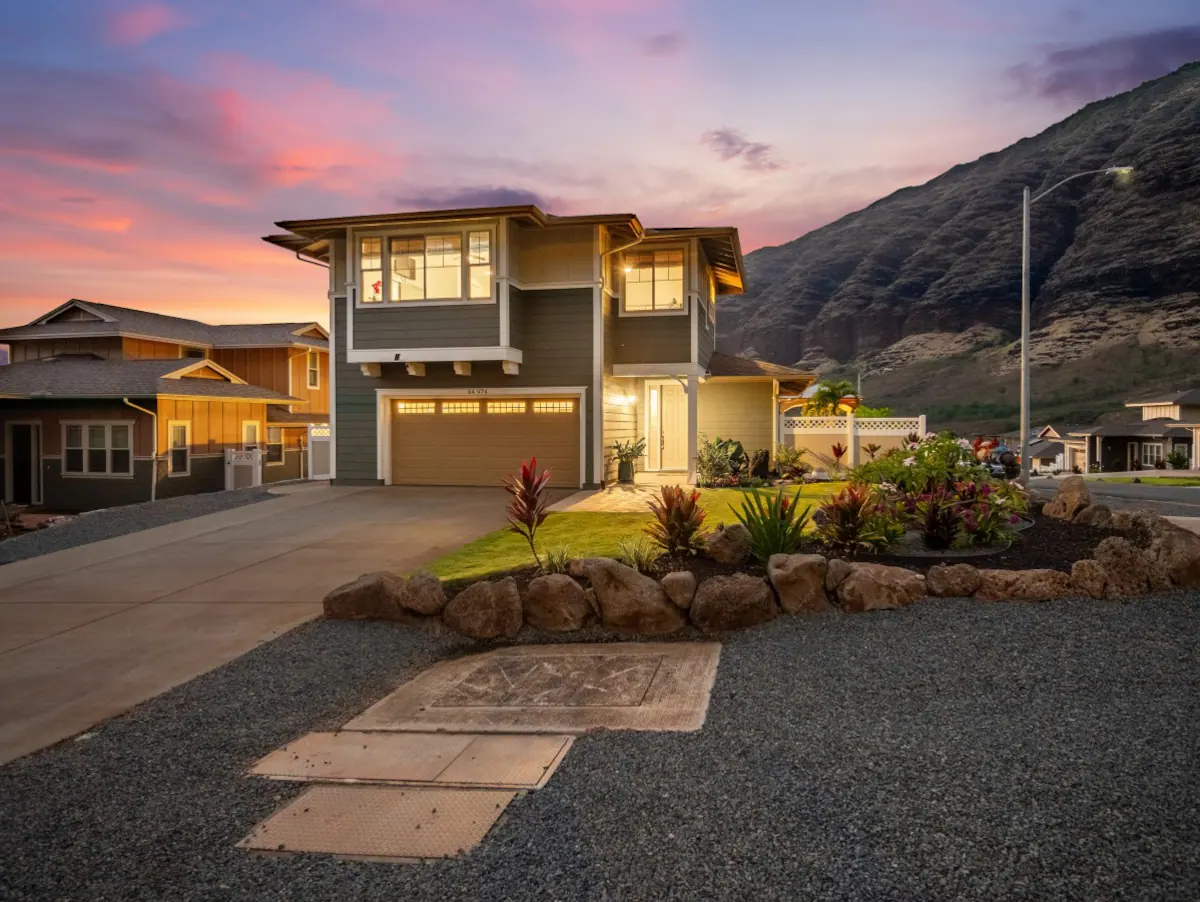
415,268
97,449
653,281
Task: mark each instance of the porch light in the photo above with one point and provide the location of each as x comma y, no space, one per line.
628,269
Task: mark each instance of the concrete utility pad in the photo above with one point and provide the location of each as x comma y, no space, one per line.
556,689
381,822
447,759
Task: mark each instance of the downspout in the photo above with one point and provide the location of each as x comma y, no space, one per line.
153,446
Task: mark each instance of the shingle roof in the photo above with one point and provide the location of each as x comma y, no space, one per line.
1045,449
278,414
1191,396
84,377
1160,428
728,365
127,321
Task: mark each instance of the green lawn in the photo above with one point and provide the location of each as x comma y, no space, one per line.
586,533
1156,480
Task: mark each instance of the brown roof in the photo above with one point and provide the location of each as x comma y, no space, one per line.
277,415
727,365
82,376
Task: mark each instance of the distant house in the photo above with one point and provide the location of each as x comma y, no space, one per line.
104,405
1170,423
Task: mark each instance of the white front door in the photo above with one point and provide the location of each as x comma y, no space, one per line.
673,427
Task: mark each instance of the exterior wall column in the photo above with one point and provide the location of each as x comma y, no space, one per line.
776,419
923,427
851,441
693,397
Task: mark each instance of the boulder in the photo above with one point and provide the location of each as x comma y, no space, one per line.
556,603
1072,496
732,602
486,610
1024,585
1093,515
1148,525
1121,521
630,602
729,544
680,587
799,581
836,573
423,594
373,596
589,595
1177,551
1089,577
952,580
877,587
1127,570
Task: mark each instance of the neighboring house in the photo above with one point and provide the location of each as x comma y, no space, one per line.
1053,448
103,405
468,340
1170,422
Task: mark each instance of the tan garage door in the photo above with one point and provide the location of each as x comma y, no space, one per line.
479,441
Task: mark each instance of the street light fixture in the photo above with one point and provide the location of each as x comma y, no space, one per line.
1122,174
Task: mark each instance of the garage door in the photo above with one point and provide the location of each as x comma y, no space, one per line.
479,441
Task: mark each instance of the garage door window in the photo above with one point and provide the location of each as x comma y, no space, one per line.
415,407
506,407
553,406
460,407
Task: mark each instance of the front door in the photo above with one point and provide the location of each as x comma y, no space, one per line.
25,452
673,421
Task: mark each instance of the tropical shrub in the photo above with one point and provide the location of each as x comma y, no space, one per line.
824,401
937,516
986,523
872,449
790,461
713,465
870,413
851,521
527,510
678,519
838,450
1178,460
630,451
558,560
923,466
775,522
640,553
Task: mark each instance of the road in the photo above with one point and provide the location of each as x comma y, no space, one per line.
1170,501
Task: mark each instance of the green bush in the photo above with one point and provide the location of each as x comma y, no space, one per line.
1178,460
640,553
922,466
790,463
851,521
557,559
775,523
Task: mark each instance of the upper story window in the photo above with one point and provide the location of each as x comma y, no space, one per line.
415,268
653,281
314,370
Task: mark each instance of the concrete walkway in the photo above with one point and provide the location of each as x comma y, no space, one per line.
89,632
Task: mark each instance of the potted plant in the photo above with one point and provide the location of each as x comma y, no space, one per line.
626,453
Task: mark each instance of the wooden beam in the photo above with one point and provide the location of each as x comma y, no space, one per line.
462,367
371,370
415,369
510,368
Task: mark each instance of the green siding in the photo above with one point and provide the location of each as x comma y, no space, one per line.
450,326
557,344
516,318
652,339
706,336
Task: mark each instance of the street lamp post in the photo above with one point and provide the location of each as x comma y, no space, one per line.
1028,201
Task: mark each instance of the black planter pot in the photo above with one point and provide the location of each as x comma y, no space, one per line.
625,471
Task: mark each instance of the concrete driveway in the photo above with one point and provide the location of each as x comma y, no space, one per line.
89,632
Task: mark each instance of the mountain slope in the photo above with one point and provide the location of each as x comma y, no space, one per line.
933,272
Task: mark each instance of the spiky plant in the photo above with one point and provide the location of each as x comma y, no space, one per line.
678,519
527,510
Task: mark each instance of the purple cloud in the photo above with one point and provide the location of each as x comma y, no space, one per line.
668,43
729,144
1082,73
456,198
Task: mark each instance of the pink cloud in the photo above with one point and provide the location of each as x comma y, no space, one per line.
139,24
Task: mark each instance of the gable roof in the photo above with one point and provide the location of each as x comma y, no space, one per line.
110,320
727,365
1191,396
1157,428
90,377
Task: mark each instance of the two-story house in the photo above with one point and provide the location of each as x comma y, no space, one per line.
468,340
103,405
1170,423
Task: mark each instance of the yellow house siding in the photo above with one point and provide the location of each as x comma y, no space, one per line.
1158,411
737,410
622,420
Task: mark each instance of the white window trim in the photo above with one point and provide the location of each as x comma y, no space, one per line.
309,371
282,448
679,311
1142,453
383,415
257,434
430,231
187,425
108,449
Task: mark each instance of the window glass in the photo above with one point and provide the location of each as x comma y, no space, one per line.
408,269
479,260
274,445
314,370
97,449
639,282
414,407
460,407
654,280
122,455
553,406
73,456
249,436
506,407
371,268
443,267
179,448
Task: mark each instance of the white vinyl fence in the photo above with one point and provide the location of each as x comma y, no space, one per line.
320,444
818,435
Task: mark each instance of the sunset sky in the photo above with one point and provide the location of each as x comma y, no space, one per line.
145,147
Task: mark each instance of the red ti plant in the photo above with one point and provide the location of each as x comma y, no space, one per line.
838,451
527,510
872,449
678,518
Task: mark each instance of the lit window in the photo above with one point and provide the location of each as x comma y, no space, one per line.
479,263
654,280
97,449
410,407
274,445
506,407
179,459
249,435
371,269
314,370
553,406
460,407
712,298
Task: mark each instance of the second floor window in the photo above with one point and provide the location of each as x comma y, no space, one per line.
413,268
654,281
314,370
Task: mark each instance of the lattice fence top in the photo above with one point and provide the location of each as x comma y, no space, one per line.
320,431
815,424
903,425
862,426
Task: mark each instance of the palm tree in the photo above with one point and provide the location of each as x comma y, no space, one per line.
824,401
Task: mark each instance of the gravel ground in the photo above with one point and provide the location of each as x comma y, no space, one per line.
120,521
953,750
